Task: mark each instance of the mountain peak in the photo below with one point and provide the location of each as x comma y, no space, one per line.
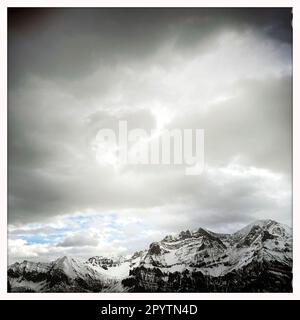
64,260
189,261
269,225
265,222
154,249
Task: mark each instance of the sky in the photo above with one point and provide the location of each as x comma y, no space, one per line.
73,72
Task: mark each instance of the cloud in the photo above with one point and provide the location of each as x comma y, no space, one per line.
223,200
71,43
79,240
80,234
254,125
75,71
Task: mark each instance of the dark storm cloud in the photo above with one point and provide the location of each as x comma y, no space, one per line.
70,43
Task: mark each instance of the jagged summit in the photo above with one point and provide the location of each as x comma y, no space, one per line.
256,258
64,260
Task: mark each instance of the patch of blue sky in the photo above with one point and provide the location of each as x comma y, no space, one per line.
81,221
116,236
62,231
36,239
85,221
41,238
112,225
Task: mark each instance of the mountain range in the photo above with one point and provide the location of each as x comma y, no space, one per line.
257,258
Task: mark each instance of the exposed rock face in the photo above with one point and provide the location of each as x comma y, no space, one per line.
104,262
154,249
255,277
258,258
185,234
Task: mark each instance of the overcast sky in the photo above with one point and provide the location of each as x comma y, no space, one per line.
75,71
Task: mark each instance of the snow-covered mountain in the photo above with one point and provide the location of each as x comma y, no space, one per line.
66,274
256,258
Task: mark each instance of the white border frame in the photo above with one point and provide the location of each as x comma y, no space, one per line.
3,151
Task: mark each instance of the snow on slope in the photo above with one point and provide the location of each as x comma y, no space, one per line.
215,254
201,250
